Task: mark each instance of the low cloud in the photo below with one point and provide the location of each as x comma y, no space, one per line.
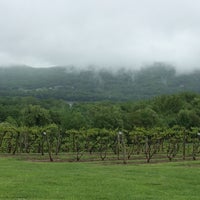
107,33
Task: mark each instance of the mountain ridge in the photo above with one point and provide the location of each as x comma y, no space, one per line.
90,84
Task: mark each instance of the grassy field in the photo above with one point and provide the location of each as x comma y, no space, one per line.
20,179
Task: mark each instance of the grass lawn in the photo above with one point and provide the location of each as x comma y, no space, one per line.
21,179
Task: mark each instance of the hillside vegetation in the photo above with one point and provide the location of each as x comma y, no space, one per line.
71,84
56,121
166,126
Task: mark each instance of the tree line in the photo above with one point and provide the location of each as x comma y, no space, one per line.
168,125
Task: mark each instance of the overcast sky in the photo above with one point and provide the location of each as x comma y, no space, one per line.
112,33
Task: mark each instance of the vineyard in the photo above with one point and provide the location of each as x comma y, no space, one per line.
165,128
137,146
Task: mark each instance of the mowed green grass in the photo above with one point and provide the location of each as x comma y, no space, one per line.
21,179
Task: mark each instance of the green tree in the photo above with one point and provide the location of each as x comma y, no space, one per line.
188,118
35,115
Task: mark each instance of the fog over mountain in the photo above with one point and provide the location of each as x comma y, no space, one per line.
106,33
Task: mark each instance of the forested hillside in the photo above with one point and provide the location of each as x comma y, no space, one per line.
163,111
70,84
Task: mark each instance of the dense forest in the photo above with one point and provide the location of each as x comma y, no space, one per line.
71,84
164,111
165,123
